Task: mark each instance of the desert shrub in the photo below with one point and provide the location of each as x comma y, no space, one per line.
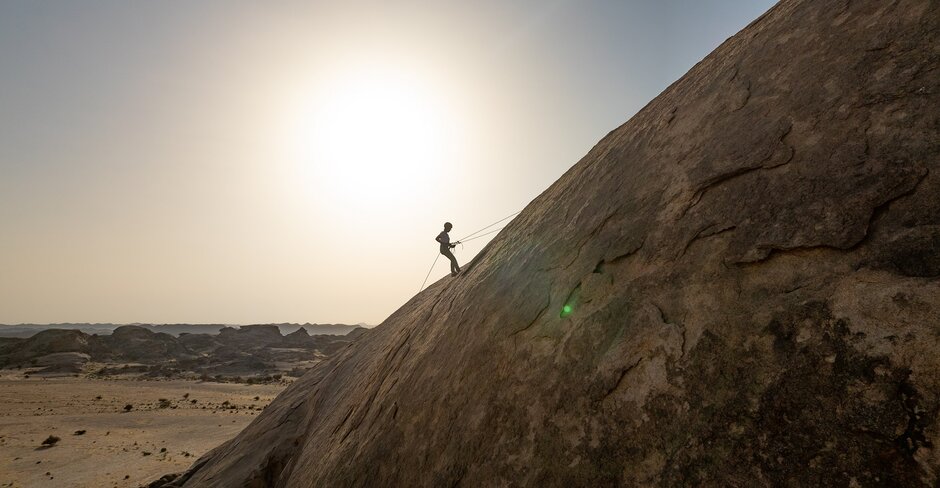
50,441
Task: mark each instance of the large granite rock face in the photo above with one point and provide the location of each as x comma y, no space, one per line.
737,287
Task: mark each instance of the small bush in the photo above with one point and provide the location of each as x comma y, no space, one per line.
50,441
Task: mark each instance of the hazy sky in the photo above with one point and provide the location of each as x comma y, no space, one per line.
243,162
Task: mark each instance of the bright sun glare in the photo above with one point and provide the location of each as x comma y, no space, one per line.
373,139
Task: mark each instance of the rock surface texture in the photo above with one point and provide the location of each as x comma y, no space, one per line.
738,287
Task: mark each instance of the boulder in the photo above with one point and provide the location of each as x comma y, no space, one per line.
738,287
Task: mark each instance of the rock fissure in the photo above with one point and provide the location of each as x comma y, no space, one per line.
710,230
590,237
538,316
620,379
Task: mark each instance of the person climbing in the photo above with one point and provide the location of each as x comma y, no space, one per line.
446,246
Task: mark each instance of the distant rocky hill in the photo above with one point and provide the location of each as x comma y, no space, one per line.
234,353
738,287
27,330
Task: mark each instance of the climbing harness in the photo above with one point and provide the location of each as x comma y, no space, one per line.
469,237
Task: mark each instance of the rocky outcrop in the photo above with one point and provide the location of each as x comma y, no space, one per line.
250,351
298,336
46,342
737,287
135,343
61,363
251,335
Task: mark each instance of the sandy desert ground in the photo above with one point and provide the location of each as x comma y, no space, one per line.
170,424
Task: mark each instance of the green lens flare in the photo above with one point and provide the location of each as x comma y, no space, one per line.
566,310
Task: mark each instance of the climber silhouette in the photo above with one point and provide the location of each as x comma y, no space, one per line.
446,246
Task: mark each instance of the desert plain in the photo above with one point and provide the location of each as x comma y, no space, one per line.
103,442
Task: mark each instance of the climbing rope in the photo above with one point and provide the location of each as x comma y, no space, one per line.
469,237
481,235
429,272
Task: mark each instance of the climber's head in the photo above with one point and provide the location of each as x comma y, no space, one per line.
448,226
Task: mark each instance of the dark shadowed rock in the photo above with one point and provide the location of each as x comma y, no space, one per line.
250,335
135,343
200,343
60,363
299,337
737,287
132,333
43,343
